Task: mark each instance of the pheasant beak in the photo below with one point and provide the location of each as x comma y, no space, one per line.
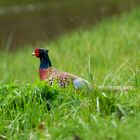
36,52
33,53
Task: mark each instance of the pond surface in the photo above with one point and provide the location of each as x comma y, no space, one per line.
34,23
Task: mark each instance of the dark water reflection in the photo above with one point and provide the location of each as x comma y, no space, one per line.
34,23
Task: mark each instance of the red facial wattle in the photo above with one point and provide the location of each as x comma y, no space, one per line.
37,53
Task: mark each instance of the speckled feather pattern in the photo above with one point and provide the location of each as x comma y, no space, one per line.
52,74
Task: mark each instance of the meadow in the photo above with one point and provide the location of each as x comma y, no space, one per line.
106,54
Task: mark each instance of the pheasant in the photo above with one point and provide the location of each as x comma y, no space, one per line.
64,79
51,74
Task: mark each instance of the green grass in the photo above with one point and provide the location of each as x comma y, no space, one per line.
107,54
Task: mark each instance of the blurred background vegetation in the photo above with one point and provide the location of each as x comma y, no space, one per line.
31,21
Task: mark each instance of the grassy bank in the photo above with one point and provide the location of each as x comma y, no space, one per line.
107,54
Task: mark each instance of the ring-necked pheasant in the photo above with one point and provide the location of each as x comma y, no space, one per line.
51,74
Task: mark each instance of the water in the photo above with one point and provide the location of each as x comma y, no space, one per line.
33,23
